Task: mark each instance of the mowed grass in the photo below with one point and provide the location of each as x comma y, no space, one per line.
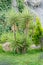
21,59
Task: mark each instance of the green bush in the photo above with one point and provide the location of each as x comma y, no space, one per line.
24,32
3,23
37,32
7,37
21,43
20,4
5,4
23,27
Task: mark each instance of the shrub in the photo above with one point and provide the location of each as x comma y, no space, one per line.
6,37
21,43
5,4
20,4
3,23
37,32
3,38
22,29
24,32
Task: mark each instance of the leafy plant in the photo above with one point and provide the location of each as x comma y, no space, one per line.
20,4
37,32
5,4
7,37
22,26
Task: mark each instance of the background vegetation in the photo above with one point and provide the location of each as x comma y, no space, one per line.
5,4
18,31
19,28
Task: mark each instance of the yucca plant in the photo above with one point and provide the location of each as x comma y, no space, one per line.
21,26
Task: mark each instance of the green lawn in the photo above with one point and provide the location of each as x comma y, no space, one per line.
23,59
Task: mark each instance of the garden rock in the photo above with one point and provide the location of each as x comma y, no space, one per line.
35,47
7,46
33,2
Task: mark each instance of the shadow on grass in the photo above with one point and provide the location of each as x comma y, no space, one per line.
5,63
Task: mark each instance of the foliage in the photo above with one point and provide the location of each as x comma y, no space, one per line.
1,49
20,4
6,37
37,32
1,29
5,4
23,28
20,29
3,23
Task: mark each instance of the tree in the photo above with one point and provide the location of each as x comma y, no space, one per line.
21,28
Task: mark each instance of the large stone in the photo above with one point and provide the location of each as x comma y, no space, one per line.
33,46
7,46
33,2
